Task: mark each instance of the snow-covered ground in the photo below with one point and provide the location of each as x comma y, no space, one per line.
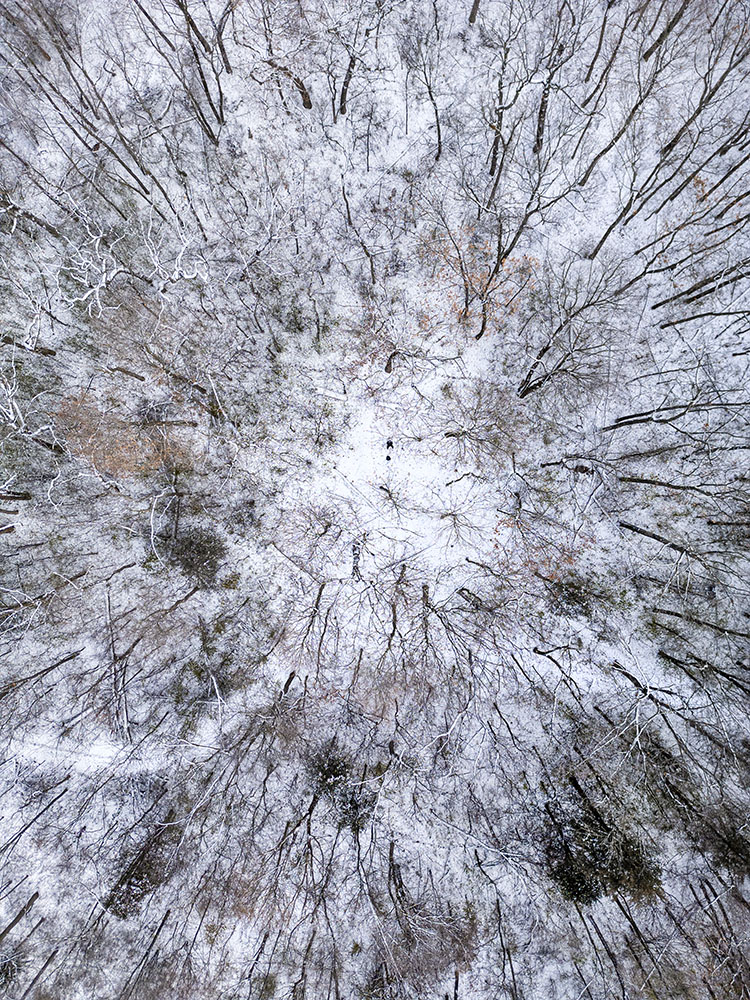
373,505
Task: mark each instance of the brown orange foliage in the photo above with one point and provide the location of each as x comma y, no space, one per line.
112,444
484,290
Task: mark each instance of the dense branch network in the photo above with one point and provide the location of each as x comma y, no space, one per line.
373,506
